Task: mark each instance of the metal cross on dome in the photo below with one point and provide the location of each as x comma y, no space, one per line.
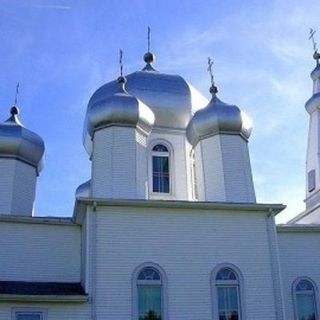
316,55
17,93
149,38
210,64
120,62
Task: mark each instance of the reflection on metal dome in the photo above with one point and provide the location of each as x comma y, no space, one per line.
84,190
171,98
20,143
118,108
218,117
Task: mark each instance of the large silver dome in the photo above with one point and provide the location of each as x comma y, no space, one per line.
172,99
20,143
119,108
218,117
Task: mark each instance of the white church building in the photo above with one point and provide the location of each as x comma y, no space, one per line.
168,227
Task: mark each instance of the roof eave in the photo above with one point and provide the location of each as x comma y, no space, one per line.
82,203
44,298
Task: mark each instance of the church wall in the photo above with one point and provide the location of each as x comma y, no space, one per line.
237,169
39,252
299,257
227,169
312,143
199,174
311,217
113,174
17,187
84,253
119,168
141,166
212,166
7,167
188,245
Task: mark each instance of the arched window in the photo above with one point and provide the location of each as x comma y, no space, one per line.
305,300
149,294
228,294
160,169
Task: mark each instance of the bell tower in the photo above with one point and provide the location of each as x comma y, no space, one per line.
21,160
219,134
313,149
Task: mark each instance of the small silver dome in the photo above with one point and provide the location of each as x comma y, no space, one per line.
218,117
314,102
18,142
84,190
315,74
119,108
171,98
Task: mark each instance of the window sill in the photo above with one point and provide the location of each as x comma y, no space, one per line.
161,196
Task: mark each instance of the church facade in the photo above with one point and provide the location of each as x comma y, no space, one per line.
168,226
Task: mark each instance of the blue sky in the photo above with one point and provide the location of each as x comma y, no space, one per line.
61,51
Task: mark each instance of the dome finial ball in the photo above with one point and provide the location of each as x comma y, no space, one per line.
122,80
213,90
14,111
149,57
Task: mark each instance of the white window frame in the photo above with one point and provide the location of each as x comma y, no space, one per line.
15,311
170,155
239,283
294,296
194,181
136,282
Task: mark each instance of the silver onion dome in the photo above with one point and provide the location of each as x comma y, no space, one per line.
218,117
315,74
119,108
18,142
314,102
171,98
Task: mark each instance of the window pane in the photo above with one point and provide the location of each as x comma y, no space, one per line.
304,285
160,148
226,274
28,316
306,307
149,274
149,302
228,303
160,164
160,174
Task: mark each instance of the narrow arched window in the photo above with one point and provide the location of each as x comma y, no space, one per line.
149,289
305,300
228,294
160,169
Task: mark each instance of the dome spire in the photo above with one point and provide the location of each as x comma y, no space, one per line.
149,57
121,80
16,95
14,111
149,38
316,54
213,89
